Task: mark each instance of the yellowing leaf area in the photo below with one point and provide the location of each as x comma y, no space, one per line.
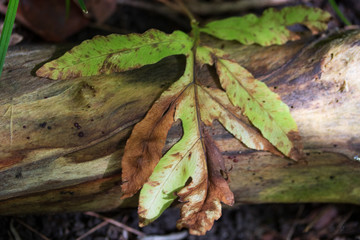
193,170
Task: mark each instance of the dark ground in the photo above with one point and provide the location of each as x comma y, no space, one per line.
267,222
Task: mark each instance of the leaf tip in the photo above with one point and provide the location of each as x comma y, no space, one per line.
45,71
296,152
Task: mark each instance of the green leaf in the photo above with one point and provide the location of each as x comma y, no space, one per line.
216,105
176,166
270,28
116,53
184,160
263,107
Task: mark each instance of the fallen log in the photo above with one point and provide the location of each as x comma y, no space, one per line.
61,142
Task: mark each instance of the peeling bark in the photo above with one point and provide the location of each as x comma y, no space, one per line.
61,142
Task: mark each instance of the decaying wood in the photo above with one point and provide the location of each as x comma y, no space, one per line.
61,142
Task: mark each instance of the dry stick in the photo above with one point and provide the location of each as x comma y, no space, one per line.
159,9
124,232
203,8
341,224
186,10
32,229
172,236
295,223
15,235
116,223
103,224
171,5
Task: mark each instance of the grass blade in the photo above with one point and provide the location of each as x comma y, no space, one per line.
82,5
339,13
7,29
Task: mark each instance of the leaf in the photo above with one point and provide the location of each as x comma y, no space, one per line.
193,169
270,28
199,218
116,53
216,105
143,149
262,106
194,159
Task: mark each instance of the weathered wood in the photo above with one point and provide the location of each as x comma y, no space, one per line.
61,142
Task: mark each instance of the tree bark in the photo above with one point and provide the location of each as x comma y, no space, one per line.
61,142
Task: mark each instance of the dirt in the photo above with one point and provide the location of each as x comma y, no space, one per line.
265,222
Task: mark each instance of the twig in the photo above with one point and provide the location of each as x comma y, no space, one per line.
32,229
293,226
341,224
203,8
13,230
157,8
186,10
103,224
116,223
173,236
125,234
171,5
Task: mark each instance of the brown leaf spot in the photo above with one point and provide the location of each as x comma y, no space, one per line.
153,183
175,155
168,166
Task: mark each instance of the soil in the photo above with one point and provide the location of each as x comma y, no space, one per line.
267,221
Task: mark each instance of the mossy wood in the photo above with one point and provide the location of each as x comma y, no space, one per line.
61,142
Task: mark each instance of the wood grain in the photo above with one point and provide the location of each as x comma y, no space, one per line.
61,142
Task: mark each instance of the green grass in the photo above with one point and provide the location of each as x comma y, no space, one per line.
339,13
7,29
